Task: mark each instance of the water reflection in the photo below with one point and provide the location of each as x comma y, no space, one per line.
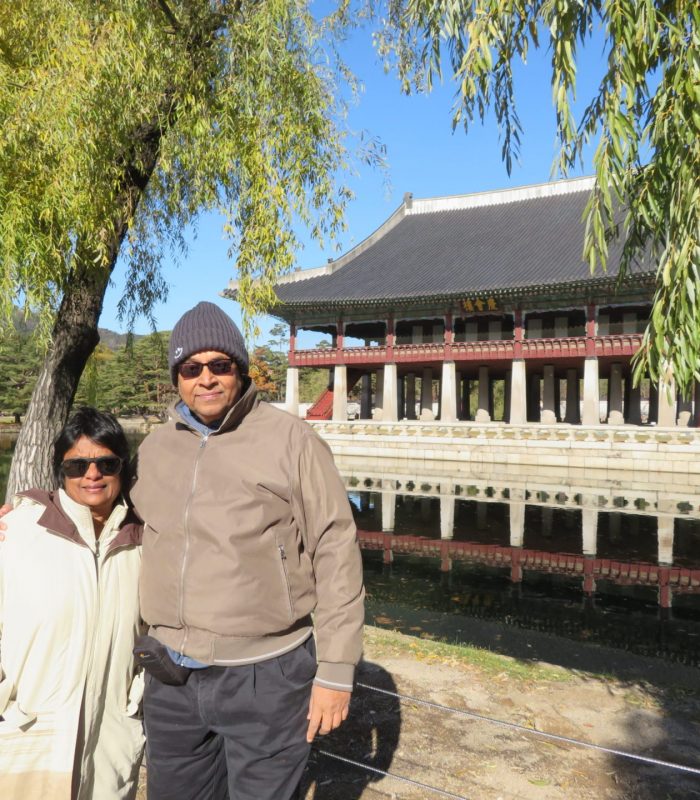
631,580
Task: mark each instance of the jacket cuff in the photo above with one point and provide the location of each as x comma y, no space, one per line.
335,676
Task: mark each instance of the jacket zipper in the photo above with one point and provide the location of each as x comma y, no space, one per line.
181,608
285,577
87,690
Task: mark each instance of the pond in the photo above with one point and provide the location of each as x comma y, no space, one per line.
441,566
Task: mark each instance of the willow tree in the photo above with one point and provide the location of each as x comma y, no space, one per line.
123,120
644,120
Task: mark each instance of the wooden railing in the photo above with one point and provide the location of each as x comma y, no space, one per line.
621,345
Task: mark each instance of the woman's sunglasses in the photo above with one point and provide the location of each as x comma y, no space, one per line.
77,467
193,369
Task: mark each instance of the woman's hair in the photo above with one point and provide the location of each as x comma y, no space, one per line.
102,428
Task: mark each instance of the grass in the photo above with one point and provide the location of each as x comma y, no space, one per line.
380,642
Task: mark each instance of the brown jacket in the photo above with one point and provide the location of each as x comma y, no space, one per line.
247,532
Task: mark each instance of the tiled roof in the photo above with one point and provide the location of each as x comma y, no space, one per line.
491,242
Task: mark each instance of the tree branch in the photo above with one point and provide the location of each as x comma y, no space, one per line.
172,19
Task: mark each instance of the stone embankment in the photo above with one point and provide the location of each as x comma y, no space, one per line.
647,466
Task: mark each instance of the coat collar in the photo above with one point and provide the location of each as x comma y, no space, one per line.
55,520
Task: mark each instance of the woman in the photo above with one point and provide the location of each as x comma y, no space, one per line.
69,614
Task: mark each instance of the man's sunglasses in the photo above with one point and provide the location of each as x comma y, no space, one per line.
193,369
77,467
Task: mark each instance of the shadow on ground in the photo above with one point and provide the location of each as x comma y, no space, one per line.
370,736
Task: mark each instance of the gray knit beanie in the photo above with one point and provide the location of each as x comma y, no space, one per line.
206,327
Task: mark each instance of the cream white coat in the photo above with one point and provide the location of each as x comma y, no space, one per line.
69,614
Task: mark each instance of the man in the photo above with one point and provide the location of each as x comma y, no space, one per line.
247,532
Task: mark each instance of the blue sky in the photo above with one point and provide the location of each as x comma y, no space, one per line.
424,156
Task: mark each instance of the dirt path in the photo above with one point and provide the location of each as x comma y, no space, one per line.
479,760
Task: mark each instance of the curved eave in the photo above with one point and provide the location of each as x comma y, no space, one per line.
578,287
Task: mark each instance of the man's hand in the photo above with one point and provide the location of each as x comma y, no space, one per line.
327,710
4,510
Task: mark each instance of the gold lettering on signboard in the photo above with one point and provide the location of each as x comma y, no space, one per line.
472,304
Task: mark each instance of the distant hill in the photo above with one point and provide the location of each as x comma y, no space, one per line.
114,340
108,338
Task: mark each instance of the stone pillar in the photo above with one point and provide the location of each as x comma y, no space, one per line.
448,403
548,416
665,531
615,415
366,397
378,412
591,392
291,396
482,412
426,396
390,393
340,393
634,410
516,511
388,511
573,412
685,411
518,393
447,516
667,404
547,520
589,526
533,398
410,383
482,510
614,530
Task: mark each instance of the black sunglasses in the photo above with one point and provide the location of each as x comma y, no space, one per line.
193,369
77,467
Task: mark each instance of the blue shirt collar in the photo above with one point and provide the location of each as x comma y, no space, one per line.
194,421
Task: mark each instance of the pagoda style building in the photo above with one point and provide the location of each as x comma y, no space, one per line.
457,292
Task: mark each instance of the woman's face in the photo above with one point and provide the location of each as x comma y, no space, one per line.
93,489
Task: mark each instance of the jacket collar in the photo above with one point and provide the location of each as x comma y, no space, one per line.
241,408
55,520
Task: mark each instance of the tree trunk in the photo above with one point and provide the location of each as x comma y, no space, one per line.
74,338
75,333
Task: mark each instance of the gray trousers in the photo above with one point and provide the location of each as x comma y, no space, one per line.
231,733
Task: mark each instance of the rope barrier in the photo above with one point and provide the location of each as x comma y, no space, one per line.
393,775
523,729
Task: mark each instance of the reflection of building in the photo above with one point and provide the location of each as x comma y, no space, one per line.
582,561
459,293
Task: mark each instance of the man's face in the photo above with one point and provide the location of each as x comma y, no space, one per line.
210,396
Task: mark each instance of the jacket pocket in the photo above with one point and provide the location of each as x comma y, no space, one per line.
284,572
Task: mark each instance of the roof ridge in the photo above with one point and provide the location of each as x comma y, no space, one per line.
515,194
